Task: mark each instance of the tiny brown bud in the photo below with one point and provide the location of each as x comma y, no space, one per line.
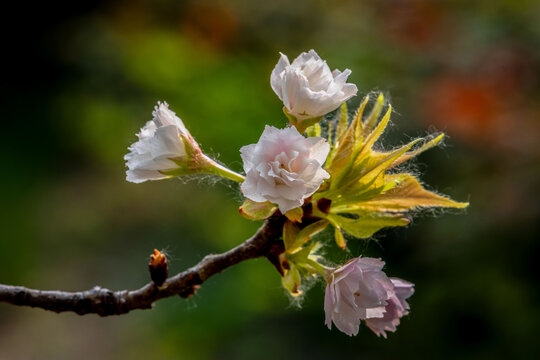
159,269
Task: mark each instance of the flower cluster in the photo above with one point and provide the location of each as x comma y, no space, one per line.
337,181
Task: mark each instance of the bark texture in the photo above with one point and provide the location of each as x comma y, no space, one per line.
104,302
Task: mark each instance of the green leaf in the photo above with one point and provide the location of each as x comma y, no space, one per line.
257,211
295,215
302,255
385,163
364,174
342,122
365,226
347,146
308,232
374,115
351,197
314,130
330,139
428,145
357,126
291,280
407,195
338,236
377,132
290,230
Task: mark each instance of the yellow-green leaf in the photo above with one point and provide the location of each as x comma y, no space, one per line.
377,132
308,232
314,130
342,122
386,162
290,230
365,226
295,215
374,115
291,280
257,211
340,239
330,139
357,125
407,195
349,145
364,174
428,145
350,198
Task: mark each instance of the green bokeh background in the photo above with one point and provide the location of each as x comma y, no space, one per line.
81,79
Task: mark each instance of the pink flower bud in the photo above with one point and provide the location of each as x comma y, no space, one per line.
308,88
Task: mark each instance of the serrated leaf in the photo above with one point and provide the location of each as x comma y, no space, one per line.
348,145
357,125
366,226
407,195
342,122
352,197
377,132
365,174
371,120
341,156
257,211
385,163
428,145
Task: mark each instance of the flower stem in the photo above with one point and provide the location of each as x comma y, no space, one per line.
321,269
218,169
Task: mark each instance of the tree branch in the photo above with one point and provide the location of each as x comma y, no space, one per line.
104,302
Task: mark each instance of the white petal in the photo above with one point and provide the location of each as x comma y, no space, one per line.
247,153
159,141
277,75
293,83
138,176
319,149
167,142
163,116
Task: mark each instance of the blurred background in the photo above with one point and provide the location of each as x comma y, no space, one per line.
79,80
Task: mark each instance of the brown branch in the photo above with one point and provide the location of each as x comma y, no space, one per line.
266,242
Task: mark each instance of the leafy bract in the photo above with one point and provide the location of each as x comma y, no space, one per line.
257,210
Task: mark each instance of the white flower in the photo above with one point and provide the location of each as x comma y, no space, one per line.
356,291
396,308
160,140
308,88
284,167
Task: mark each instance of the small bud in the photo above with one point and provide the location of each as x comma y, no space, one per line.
159,269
